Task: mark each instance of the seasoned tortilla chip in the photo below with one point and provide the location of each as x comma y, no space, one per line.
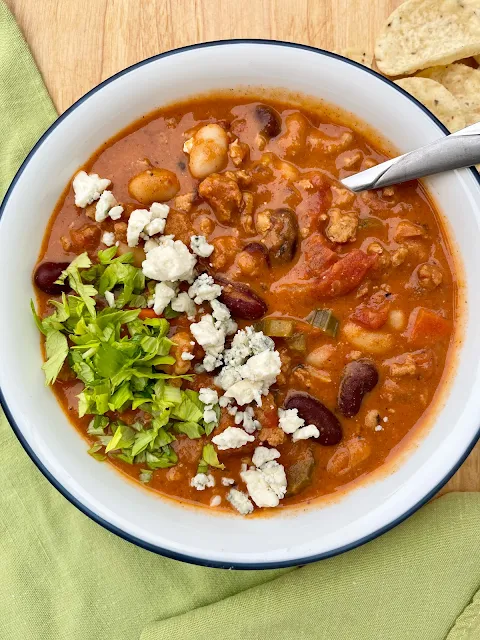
424,33
438,99
359,55
463,82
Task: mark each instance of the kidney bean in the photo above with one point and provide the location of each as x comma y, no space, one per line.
241,300
269,120
359,377
314,412
279,228
46,274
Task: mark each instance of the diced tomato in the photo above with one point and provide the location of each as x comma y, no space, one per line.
345,275
318,256
374,313
426,325
147,313
370,318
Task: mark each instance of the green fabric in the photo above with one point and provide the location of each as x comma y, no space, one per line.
25,106
65,578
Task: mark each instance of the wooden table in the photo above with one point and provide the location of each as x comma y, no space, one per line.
78,43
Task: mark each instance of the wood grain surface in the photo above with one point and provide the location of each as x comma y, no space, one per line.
78,43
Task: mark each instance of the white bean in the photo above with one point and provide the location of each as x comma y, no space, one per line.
319,356
396,319
208,153
366,340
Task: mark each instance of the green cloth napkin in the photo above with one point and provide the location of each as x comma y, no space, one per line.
62,577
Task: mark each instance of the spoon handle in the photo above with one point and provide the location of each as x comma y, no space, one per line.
458,150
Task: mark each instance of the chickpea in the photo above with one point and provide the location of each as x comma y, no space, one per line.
208,151
154,185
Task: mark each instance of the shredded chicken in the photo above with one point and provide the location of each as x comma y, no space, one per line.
407,229
222,194
429,276
238,151
342,226
184,202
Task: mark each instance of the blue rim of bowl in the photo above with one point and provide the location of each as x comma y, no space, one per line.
116,530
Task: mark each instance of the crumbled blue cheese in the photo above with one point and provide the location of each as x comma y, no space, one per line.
289,420
239,417
232,438
221,314
245,344
164,293
88,188
266,485
184,304
211,338
204,289
262,455
103,206
115,213
249,423
263,368
200,246
171,261
151,243
240,502
227,482
187,356
159,213
245,392
108,238
110,298
136,224
202,481
208,396
256,376
209,415
310,431
144,223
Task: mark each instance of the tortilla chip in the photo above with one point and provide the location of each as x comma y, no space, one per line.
424,33
463,82
358,55
438,99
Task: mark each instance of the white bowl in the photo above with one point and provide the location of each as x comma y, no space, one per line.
56,448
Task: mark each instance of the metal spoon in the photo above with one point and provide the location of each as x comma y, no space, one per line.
458,150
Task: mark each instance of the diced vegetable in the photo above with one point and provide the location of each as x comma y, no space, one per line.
299,474
298,342
276,327
426,325
325,320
